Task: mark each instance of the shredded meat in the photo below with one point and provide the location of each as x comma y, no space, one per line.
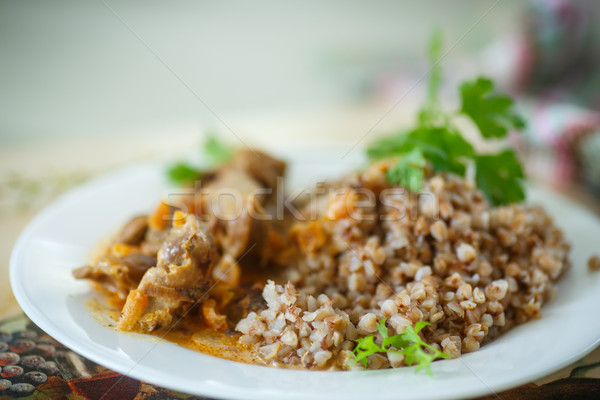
134,231
117,275
180,278
260,166
236,198
248,299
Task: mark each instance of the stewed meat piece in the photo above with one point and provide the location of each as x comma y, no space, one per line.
180,278
117,275
134,231
236,200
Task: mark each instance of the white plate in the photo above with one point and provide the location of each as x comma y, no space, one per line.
60,238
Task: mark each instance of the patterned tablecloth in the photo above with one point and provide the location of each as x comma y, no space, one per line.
35,366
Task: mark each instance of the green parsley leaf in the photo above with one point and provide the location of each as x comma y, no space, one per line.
217,151
409,343
492,112
444,148
182,173
390,146
364,348
499,176
420,352
409,171
397,341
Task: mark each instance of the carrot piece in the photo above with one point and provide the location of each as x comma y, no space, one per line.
134,308
160,217
178,218
122,250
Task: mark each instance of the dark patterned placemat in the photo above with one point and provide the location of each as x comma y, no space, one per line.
35,366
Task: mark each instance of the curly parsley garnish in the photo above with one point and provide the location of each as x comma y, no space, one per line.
214,151
436,138
492,112
499,176
407,343
409,170
217,151
183,172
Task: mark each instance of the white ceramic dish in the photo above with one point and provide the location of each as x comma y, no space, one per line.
60,238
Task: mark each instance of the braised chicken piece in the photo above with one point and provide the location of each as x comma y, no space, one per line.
261,166
122,268
237,199
134,231
248,298
117,275
180,278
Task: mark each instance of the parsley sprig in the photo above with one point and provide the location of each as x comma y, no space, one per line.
435,138
183,172
492,112
408,343
215,152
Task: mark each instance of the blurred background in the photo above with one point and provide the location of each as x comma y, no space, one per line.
82,68
88,86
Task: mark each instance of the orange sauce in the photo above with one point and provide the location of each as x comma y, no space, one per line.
189,334
106,306
212,343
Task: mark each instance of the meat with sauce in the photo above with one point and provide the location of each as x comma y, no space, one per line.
180,279
237,200
117,275
195,251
